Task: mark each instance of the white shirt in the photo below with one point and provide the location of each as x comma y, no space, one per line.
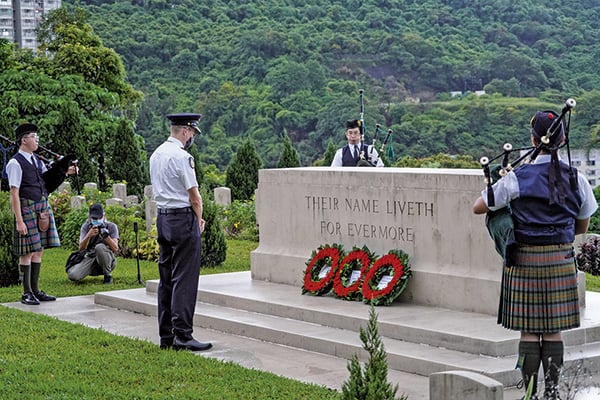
172,174
14,171
372,155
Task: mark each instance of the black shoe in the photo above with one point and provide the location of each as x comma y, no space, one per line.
108,279
166,344
191,345
29,299
41,296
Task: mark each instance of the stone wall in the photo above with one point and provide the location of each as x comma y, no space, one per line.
425,212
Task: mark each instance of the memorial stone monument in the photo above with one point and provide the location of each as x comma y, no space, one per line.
425,212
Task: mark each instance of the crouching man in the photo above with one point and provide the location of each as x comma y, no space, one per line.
99,239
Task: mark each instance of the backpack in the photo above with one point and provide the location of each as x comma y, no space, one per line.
74,258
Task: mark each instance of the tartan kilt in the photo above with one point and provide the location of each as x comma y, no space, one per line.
35,241
539,292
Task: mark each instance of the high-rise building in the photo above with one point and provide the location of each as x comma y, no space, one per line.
19,18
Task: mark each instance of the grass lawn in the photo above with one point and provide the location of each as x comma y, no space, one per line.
53,278
42,357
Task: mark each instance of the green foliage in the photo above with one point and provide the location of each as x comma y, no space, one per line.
264,67
327,157
214,246
149,249
125,217
242,173
239,220
438,161
594,226
61,205
127,163
371,382
69,230
9,273
289,157
74,89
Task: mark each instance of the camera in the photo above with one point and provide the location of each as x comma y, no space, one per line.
102,228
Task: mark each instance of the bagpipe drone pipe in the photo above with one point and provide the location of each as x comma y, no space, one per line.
499,223
365,160
57,165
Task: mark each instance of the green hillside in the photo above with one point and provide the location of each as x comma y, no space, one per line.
260,69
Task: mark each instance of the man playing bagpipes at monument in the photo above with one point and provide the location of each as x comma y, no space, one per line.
356,152
30,182
549,202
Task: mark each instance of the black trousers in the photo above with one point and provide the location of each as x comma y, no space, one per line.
179,270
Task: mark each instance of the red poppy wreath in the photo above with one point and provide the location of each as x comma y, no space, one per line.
318,276
351,272
386,279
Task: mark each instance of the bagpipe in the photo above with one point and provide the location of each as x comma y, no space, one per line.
499,223
57,165
363,159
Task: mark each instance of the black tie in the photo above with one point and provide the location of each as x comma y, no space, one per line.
356,153
33,160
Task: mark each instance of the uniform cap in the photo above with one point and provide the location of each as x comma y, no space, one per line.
352,123
185,119
24,129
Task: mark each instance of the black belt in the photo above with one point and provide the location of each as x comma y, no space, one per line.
184,210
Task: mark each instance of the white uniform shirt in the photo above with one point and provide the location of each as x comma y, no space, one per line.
172,174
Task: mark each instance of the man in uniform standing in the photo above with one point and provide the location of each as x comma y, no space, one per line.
179,225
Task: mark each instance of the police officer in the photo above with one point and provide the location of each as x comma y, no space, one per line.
180,225
349,155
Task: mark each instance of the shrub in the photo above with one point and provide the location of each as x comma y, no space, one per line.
370,383
239,220
289,157
9,269
242,173
214,246
588,258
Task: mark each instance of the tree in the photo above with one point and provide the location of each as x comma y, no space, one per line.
242,173
289,157
370,383
125,162
214,246
328,156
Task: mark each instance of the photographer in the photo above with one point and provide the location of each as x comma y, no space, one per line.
99,239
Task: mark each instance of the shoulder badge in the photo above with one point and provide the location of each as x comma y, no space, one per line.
192,163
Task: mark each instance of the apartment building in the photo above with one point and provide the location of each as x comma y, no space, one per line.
588,163
19,18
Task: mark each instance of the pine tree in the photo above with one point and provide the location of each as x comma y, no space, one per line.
214,246
242,173
289,157
125,162
370,384
327,157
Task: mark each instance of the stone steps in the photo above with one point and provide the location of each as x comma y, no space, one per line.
418,339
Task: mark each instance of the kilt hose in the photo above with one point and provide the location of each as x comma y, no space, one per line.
539,292
35,240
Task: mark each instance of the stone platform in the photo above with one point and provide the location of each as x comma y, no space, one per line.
419,339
